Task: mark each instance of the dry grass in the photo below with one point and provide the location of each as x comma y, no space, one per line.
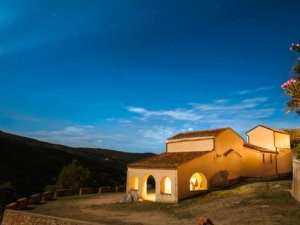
265,203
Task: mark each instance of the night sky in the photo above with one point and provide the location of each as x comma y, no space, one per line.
126,75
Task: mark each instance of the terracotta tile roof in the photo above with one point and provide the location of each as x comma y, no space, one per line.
199,133
166,160
258,148
270,128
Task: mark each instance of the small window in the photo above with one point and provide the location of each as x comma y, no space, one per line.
271,158
263,158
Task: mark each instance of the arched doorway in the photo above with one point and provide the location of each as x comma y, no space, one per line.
149,188
166,185
198,182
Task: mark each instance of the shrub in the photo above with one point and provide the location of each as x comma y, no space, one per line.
74,176
50,187
7,195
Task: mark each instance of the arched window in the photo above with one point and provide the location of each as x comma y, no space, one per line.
134,183
198,182
166,185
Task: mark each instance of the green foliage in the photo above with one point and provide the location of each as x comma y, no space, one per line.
74,176
7,195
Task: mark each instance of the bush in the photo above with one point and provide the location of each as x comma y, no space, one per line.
50,187
7,195
74,176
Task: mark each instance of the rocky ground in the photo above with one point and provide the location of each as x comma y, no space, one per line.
265,203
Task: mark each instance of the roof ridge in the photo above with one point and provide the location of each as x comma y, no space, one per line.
144,159
270,128
258,148
187,132
167,160
217,130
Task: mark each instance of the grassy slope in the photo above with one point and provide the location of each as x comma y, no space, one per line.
31,164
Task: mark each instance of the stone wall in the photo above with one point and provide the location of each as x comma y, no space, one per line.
63,193
120,188
12,217
34,199
47,195
22,203
105,189
296,179
87,191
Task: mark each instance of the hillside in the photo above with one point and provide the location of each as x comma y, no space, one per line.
31,164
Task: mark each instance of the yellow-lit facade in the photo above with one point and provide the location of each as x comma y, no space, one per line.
260,157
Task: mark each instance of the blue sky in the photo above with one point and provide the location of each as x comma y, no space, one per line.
126,75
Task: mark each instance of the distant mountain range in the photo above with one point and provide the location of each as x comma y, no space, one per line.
31,164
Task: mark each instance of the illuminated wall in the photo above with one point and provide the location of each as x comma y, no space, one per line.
282,140
262,137
159,176
134,183
284,161
190,144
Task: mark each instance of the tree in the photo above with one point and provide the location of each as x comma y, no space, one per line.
7,195
292,86
74,176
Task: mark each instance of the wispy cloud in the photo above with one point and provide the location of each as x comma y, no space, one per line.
176,114
157,132
219,110
221,113
80,136
249,91
133,139
18,116
148,130
243,92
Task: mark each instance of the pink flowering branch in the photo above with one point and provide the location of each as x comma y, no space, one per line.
292,86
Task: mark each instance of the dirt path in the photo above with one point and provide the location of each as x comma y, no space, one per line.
91,210
266,203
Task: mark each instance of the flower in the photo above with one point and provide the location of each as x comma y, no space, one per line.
292,86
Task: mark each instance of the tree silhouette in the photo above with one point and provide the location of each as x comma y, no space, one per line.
74,176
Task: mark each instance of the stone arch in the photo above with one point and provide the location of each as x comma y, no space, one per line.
166,185
134,183
148,188
198,182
